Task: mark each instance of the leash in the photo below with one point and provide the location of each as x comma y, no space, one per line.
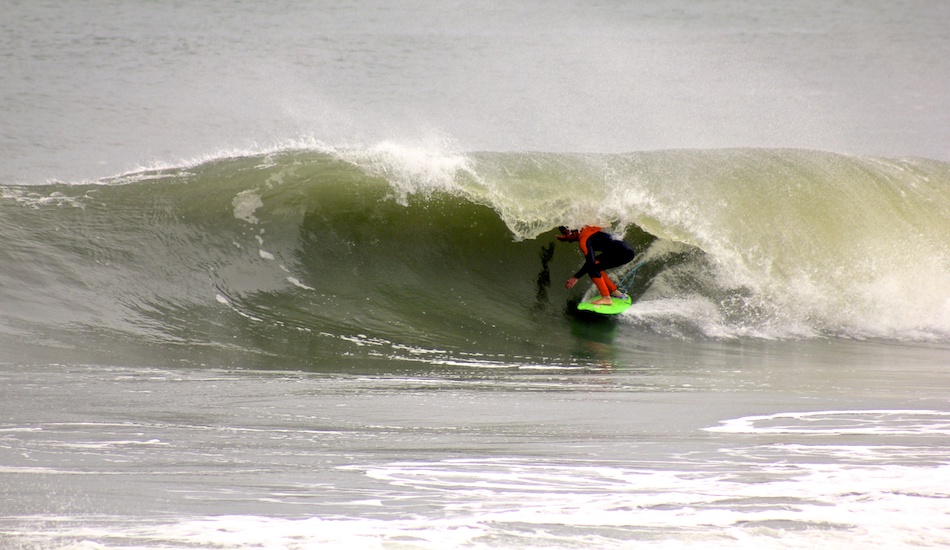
624,285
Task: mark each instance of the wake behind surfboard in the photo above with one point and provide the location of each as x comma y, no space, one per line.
618,305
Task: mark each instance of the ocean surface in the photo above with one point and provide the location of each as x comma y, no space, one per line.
283,275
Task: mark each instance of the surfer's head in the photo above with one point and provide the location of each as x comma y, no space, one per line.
567,235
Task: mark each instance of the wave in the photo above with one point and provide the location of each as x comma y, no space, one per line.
320,254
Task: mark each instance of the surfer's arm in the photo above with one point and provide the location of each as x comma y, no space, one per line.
590,265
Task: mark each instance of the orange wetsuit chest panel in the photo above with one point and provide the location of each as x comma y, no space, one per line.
584,235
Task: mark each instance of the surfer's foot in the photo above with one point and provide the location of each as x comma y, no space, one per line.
605,301
619,295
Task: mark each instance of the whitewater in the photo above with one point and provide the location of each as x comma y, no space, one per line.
285,276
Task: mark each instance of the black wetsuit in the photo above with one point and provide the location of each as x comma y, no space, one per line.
612,253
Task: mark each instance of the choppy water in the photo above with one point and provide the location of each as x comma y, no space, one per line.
768,445
341,321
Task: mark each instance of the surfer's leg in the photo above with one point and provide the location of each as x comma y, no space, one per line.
607,287
601,283
611,286
615,291
610,260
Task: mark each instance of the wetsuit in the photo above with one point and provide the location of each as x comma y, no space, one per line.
602,252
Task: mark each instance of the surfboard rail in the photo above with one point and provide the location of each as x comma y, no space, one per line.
618,305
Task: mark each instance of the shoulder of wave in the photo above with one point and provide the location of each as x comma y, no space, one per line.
157,168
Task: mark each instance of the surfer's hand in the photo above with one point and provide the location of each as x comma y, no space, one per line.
570,282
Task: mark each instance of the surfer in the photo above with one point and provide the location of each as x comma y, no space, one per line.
601,252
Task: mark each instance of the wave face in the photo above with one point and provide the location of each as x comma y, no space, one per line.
323,256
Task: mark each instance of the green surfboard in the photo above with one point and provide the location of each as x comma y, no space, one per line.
619,305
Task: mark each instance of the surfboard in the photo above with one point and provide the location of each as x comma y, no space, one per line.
618,306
